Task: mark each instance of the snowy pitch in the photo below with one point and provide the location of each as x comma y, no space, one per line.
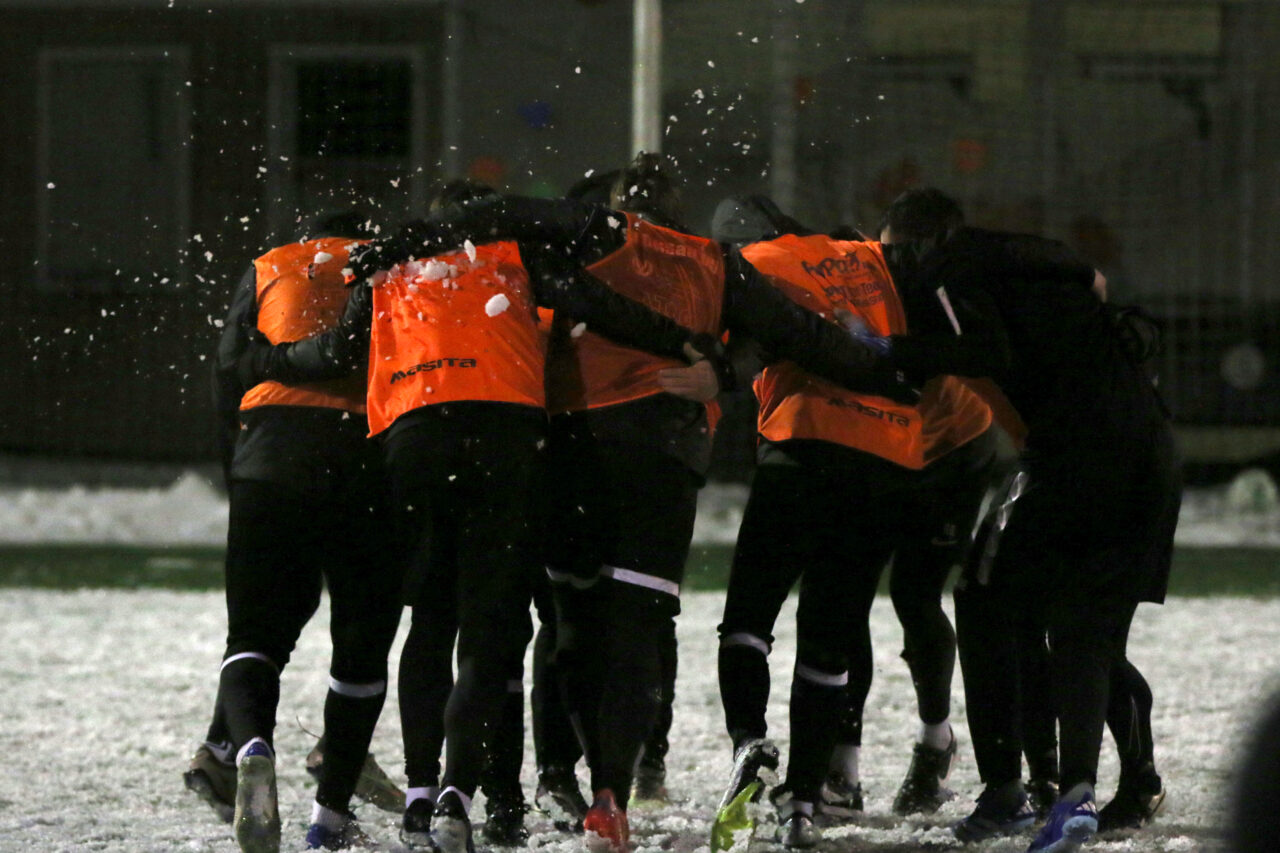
106,693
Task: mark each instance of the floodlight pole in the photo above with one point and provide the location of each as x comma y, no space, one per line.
646,79
782,148
451,108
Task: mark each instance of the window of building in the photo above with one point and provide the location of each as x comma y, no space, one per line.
113,193
347,123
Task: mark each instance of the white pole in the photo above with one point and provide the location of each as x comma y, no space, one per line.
646,81
451,106
782,149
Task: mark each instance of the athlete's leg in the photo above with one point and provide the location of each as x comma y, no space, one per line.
364,579
652,506
772,549
273,587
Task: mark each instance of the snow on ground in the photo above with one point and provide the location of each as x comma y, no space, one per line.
107,693
190,511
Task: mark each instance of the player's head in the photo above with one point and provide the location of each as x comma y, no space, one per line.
645,188
339,222
924,214
458,192
751,218
596,188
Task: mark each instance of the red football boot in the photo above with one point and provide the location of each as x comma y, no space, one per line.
605,825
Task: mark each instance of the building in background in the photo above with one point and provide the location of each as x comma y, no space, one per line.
153,148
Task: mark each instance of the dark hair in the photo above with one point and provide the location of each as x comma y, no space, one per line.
459,191
922,213
644,187
596,188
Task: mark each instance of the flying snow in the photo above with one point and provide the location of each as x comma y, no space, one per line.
497,305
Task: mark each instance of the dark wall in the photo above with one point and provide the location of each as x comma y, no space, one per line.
125,374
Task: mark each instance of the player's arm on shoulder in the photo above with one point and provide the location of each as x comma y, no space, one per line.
789,331
565,286
963,334
334,353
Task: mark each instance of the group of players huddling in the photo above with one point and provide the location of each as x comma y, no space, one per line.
512,401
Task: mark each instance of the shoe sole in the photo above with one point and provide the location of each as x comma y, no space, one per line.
762,770
1076,832
944,795
373,786
257,815
1157,803
733,824
798,843
1011,828
451,835
597,843
199,783
416,840
562,818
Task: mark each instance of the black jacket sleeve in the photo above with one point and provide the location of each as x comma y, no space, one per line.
952,296
568,288
965,336
237,330
582,231
1030,258
336,352
788,331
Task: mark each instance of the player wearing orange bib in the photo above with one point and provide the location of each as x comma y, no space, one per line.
307,489
633,456
845,481
455,393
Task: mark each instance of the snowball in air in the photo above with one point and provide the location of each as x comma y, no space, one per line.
497,305
470,249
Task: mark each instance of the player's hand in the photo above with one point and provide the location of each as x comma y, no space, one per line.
858,330
692,354
697,382
1099,287
252,361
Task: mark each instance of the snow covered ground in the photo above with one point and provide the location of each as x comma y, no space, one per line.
107,692
190,511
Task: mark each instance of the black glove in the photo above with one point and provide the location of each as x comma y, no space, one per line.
897,385
251,364
364,260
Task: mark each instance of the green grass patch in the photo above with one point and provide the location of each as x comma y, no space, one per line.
111,566
1196,571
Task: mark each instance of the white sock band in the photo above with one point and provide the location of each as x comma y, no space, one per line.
742,638
250,656
817,676
357,691
844,760
466,801
935,735
327,817
430,793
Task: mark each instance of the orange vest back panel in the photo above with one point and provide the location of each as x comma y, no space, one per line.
678,275
824,275
301,292
454,327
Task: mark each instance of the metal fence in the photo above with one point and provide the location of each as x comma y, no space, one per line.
1144,132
